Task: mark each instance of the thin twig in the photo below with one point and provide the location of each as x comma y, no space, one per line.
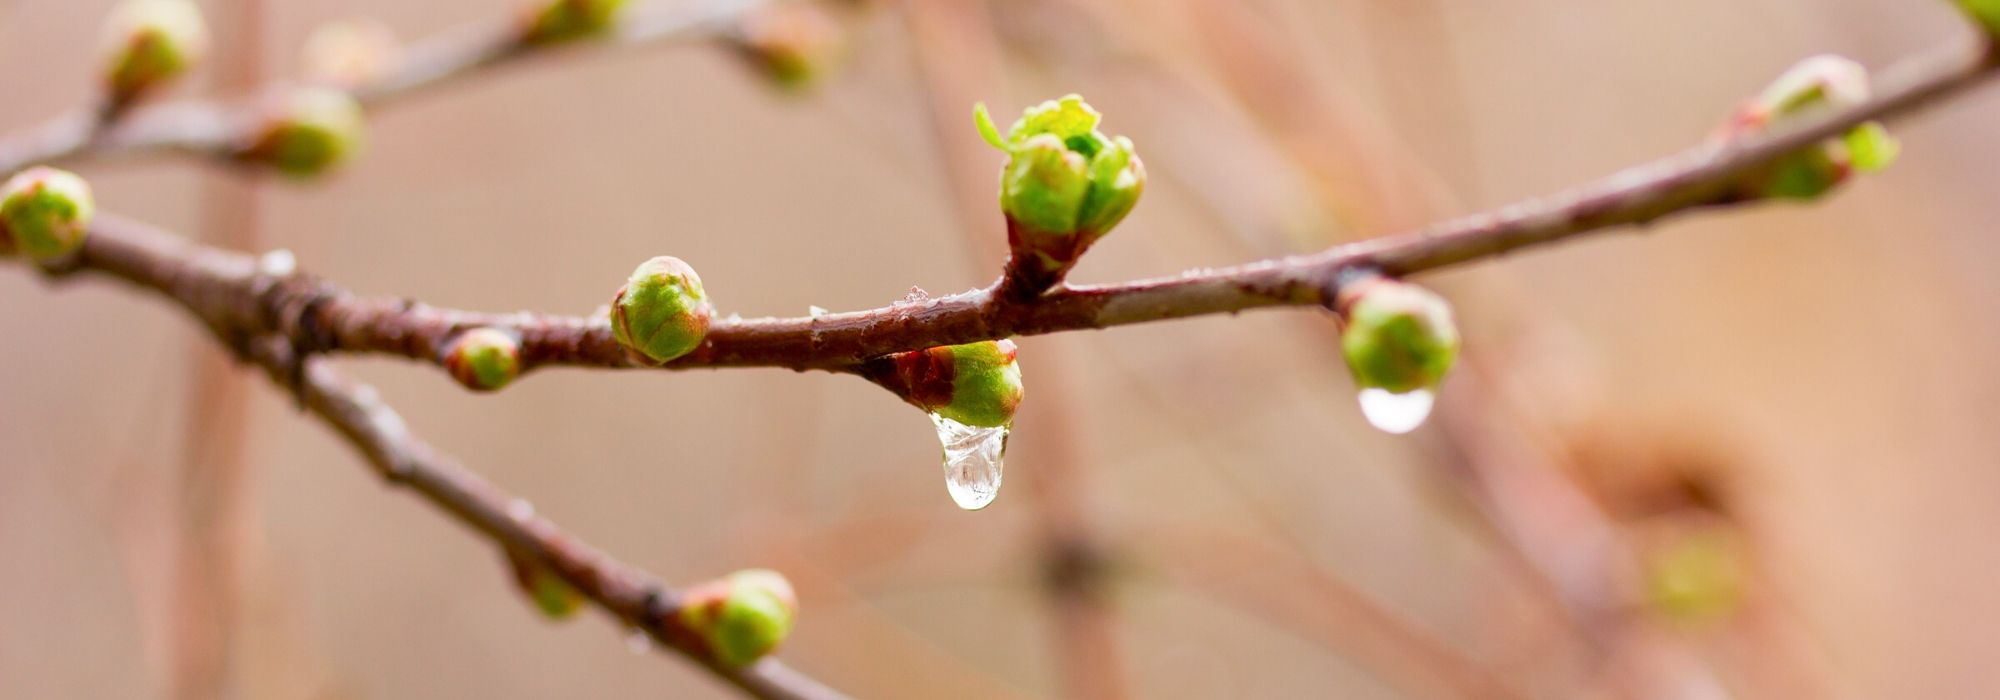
218,130
633,596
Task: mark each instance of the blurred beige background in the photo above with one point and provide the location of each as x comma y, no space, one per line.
1833,365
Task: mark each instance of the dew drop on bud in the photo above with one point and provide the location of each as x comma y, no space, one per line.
1396,413
973,460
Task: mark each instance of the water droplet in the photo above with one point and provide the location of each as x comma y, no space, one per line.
1396,413
917,295
637,642
815,311
278,263
973,460
520,510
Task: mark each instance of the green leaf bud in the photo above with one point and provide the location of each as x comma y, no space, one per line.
1397,336
484,359
1696,577
1985,12
977,384
46,212
566,20
661,312
1816,84
793,44
149,43
1065,185
547,590
308,131
741,618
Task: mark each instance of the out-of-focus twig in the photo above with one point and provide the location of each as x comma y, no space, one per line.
221,130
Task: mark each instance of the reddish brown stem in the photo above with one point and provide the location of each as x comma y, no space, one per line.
318,315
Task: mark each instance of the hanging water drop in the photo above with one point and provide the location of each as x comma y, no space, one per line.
1396,413
973,460
637,641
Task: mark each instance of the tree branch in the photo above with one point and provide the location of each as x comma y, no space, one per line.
634,597
320,316
215,130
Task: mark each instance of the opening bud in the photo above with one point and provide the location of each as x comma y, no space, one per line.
976,384
661,312
308,131
1814,85
550,593
1397,337
564,20
45,212
741,618
793,44
149,43
484,359
350,53
1065,185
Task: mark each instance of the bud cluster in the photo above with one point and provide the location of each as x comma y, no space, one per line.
1065,185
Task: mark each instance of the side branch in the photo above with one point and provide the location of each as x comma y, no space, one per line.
631,595
318,316
215,130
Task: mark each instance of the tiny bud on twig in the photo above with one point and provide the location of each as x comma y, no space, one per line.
792,44
308,131
740,618
1065,185
149,43
484,359
350,53
45,213
977,384
1815,84
565,20
661,312
551,594
1396,336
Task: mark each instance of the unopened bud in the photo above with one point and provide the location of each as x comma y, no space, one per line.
1814,85
794,44
1397,336
661,312
977,384
484,359
565,20
308,131
550,593
45,212
742,617
149,43
1065,185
